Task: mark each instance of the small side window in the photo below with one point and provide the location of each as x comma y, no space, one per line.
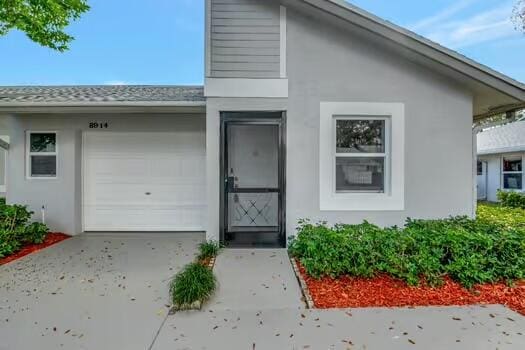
42,154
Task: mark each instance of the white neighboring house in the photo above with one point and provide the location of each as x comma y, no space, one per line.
310,109
501,154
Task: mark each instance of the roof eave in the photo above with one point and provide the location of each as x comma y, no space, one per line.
109,107
514,149
500,110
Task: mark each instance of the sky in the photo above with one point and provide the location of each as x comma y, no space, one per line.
161,41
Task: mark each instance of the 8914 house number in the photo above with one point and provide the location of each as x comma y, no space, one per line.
99,125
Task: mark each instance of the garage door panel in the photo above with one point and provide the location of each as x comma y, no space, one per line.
118,166
177,168
114,217
144,181
185,217
118,194
120,144
185,195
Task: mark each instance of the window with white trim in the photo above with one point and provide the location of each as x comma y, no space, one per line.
42,154
512,173
361,154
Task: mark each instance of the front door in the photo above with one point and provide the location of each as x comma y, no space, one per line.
482,180
252,211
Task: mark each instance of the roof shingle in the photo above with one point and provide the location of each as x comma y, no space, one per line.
506,138
99,94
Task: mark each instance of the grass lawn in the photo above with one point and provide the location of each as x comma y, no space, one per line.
508,217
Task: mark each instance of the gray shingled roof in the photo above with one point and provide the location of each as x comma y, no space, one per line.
506,138
23,95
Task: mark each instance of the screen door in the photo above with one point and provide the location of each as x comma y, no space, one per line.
253,179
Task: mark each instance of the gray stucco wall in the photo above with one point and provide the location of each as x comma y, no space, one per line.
62,196
327,63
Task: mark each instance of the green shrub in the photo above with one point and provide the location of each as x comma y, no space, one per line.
15,229
35,232
511,199
194,283
469,251
208,250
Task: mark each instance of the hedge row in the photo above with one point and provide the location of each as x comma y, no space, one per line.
424,251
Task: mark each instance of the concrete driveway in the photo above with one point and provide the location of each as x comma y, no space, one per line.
92,292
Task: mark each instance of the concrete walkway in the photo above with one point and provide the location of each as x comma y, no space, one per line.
472,328
255,280
91,292
257,306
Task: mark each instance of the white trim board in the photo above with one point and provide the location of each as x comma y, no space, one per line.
207,39
394,198
282,31
241,87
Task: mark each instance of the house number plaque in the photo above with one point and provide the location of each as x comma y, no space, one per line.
99,125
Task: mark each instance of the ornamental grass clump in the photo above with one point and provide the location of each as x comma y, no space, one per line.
208,250
193,285
424,251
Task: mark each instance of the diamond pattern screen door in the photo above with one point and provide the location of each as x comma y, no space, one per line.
253,178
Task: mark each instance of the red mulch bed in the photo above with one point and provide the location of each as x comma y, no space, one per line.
51,238
385,291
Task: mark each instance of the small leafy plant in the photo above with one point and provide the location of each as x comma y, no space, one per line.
195,283
208,250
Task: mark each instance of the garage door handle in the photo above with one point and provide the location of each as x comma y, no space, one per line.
147,193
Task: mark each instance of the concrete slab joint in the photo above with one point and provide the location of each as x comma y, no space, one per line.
304,287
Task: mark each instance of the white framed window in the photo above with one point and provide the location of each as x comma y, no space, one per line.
512,173
42,152
361,156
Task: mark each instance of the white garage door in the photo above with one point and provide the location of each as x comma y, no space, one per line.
144,181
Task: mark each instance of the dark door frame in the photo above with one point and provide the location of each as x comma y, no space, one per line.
253,118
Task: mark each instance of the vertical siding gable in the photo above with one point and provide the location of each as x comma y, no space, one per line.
245,39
